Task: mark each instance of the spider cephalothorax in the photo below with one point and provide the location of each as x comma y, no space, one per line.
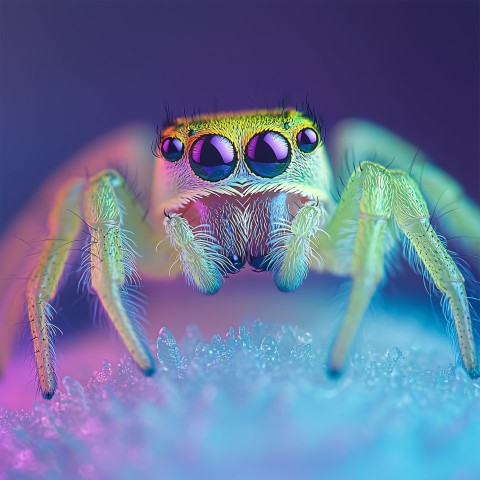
250,187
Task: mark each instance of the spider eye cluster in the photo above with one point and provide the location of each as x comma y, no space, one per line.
214,157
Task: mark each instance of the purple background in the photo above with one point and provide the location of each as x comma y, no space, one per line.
71,71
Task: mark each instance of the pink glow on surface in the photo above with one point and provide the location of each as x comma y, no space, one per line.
244,298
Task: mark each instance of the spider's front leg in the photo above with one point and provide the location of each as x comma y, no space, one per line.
373,195
112,261
369,196
112,213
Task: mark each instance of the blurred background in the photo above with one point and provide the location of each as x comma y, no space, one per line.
71,71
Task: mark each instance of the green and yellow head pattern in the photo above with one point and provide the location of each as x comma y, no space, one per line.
241,154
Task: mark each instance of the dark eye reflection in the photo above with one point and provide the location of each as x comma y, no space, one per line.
307,140
268,154
172,149
213,157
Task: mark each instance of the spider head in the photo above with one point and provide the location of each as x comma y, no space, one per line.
244,155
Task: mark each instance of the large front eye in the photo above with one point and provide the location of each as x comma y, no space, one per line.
213,157
307,140
268,154
172,149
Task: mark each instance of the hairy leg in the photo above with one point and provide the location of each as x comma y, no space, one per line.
362,140
373,195
127,145
368,196
411,214
63,228
112,263
154,256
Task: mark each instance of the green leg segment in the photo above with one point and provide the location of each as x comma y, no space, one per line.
361,140
115,219
112,261
155,260
367,269
411,214
63,228
372,197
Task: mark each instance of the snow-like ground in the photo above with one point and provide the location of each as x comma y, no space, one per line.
256,403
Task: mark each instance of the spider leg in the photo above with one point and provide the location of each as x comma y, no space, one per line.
153,255
111,264
373,195
112,261
63,228
130,144
365,140
411,214
370,191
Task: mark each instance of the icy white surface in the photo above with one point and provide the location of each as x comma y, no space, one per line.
254,403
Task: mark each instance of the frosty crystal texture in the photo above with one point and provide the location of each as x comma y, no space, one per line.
168,354
253,403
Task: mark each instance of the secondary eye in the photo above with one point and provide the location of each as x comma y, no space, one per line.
172,149
268,154
307,140
213,157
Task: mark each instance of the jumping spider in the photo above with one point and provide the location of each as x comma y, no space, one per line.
253,188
